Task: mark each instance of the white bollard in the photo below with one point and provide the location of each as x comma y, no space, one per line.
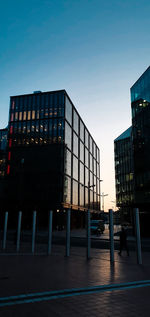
68,233
19,231
88,233
111,235
50,232
5,230
138,236
33,231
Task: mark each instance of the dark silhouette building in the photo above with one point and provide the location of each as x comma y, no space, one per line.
124,174
52,160
139,150
140,103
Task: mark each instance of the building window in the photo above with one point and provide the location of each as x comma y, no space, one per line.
91,199
81,196
50,127
20,115
24,127
81,131
24,115
81,152
55,128
46,126
81,173
68,110
12,117
32,126
75,168
50,112
75,122
75,144
98,189
33,114
61,128
37,126
28,127
29,115
91,145
91,179
91,162
94,167
98,171
46,112
68,135
86,198
86,177
67,190
16,116
68,162
86,138
75,193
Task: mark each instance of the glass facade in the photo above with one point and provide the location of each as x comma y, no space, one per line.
141,89
124,169
41,121
140,97
37,119
85,162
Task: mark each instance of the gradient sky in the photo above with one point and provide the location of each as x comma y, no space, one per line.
94,49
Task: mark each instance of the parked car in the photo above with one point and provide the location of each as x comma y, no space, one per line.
97,227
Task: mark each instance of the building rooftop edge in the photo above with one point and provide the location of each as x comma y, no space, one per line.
126,134
39,93
148,68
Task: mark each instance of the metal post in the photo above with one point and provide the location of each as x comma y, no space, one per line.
111,235
50,232
88,222
68,234
33,231
138,237
19,231
5,230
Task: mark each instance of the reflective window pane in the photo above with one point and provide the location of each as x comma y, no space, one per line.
67,190
86,138
86,157
81,173
75,144
86,177
75,122
81,131
68,133
81,152
75,193
68,110
81,196
75,168
68,162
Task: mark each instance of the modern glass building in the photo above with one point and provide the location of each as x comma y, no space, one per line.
140,98
140,149
53,161
124,174
140,103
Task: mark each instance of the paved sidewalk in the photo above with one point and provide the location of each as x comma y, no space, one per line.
28,274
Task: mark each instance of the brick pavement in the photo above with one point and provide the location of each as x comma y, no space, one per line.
24,274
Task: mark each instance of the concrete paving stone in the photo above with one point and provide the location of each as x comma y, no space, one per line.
41,273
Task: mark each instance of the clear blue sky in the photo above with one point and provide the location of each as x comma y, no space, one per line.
94,49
